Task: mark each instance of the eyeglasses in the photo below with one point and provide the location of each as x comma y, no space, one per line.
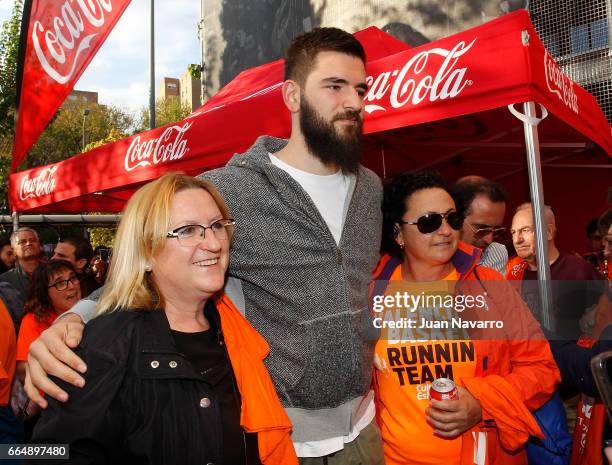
192,234
432,221
482,231
63,284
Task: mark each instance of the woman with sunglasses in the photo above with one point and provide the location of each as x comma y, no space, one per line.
428,280
175,373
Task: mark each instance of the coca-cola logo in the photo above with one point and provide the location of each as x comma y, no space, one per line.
171,145
559,84
418,80
59,45
43,184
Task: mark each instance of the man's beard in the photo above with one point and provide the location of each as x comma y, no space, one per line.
324,141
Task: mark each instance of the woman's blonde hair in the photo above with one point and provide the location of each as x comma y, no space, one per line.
141,237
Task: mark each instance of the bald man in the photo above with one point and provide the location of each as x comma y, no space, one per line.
572,278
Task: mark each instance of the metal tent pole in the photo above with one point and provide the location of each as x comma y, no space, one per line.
15,219
537,198
152,71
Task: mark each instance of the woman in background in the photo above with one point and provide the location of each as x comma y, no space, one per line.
54,288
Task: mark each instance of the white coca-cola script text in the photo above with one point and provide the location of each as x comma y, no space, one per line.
170,145
559,84
43,184
411,84
59,43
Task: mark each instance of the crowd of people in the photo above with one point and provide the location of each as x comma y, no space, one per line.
236,323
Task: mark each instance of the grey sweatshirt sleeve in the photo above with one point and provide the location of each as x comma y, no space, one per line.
85,308
233,289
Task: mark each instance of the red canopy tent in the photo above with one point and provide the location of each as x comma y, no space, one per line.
103,179
442,105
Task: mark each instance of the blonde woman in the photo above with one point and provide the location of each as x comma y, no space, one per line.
175,373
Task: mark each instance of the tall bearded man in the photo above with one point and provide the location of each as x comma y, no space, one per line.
308,227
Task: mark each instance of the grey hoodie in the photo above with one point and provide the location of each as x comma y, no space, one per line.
304,293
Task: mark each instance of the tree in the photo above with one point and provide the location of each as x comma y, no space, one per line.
9,49
102,236
113,136
62,139
167,110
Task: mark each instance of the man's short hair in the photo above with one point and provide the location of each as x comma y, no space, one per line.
303,50
605,221
548,212
82,247
466,189
4,241
19,230
591,227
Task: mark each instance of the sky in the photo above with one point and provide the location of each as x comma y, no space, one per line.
120,70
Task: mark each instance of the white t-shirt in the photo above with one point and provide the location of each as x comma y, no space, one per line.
329,194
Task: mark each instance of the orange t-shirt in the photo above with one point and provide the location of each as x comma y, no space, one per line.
407,360
7,354
29,331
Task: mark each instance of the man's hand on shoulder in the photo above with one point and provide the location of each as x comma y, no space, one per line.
52,355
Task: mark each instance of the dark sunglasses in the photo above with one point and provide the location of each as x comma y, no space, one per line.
432,221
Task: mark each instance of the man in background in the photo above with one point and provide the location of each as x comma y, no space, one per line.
575,286
7,255
26,245
483,204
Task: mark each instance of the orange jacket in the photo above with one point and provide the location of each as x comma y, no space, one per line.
519,354
7,354
261,410
515,269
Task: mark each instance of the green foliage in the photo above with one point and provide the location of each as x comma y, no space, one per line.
113,136
5,163
63,137
167,111
195,70
9,48
101,236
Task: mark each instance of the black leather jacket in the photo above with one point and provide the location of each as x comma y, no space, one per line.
143,402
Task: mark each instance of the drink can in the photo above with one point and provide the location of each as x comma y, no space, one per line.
443,389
